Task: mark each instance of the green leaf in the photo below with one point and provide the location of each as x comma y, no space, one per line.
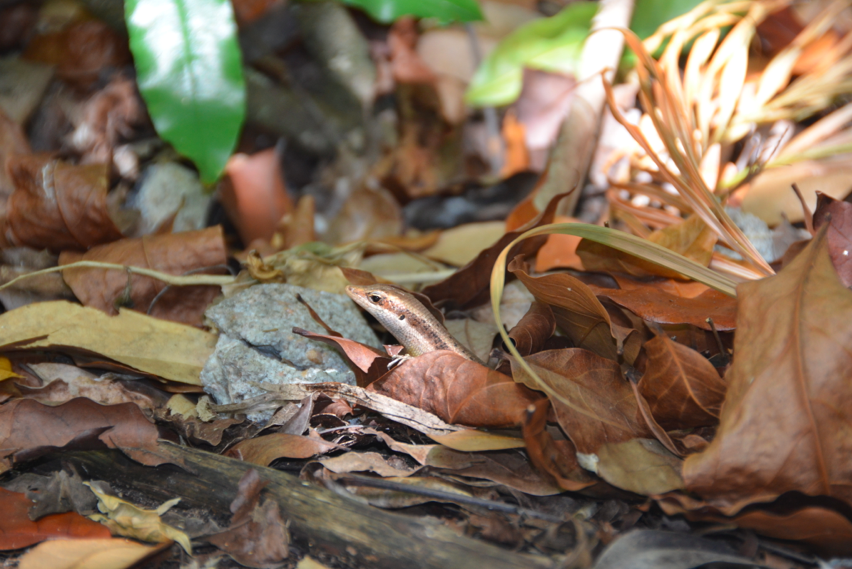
387,11
550,44
648,15
189,73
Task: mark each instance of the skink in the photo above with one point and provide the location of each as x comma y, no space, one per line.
407,319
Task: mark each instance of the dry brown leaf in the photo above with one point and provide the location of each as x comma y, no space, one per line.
176,254
508,467
783,427
557,458
838,216
819,526
653,304
368,462
27,425
263,450
578,312
79,383
534,329
682,388
17,530
457,390
594,404
57,205
258,536
153,346
368,363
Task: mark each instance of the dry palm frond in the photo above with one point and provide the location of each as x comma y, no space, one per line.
693,117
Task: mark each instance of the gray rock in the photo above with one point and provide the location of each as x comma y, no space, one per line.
257,345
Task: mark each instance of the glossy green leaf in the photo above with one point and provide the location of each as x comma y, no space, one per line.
189,73
387,11
550,44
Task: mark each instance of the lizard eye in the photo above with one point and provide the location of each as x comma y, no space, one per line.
375,298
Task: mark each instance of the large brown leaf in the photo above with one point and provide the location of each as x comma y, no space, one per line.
58,206
785,423
594,404
176,254
682,388
27,425
457,390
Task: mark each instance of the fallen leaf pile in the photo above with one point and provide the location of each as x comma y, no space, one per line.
670,357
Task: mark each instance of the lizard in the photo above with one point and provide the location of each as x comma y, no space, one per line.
407,319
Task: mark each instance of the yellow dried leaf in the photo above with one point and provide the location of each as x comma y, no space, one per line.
123,518
165,349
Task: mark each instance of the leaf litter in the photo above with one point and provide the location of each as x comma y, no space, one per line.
620,396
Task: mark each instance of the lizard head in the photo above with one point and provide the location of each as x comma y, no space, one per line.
369,297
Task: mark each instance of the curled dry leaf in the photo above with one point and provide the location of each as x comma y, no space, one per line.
537,325
258,536
470,285
557,458
838,215
577,310
682,388
176,254
457,390
57,206
594,404
784,425
28,425
17,530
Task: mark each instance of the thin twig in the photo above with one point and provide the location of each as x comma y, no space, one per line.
175,280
